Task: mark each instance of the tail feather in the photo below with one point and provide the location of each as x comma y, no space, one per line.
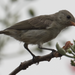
7,32
3,32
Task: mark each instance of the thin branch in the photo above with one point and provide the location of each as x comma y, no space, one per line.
24,65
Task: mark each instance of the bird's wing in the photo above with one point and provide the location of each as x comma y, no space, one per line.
40,22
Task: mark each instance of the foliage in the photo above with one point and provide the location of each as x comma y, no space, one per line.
68,50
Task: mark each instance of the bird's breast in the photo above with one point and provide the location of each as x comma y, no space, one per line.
38,36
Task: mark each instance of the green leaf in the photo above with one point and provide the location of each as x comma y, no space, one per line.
72,63
73,48
69,51
60,50
31,12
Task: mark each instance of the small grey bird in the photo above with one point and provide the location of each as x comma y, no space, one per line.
40,29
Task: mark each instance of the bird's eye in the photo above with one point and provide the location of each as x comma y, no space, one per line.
68,16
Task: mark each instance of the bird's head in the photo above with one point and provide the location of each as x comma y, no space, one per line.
65,18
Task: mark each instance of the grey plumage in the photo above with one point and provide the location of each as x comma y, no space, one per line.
40,29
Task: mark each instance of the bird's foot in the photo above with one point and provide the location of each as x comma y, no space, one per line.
53,52
35,59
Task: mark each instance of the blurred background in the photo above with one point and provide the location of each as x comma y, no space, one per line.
12,52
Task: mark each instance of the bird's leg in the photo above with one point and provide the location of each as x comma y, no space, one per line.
45,48
26,46
34,57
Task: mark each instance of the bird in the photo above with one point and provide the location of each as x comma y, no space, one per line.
40,29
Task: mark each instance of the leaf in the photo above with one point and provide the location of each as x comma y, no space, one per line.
31,12
72,63
60,50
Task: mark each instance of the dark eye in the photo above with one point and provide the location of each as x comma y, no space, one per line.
68,16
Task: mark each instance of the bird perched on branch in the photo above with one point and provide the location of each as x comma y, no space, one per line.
40,29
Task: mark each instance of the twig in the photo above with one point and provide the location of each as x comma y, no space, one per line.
24,65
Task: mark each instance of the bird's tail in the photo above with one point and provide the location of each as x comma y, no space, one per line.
3,32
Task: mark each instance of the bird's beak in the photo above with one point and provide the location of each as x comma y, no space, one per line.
72,23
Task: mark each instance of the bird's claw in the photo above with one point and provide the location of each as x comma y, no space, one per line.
35,59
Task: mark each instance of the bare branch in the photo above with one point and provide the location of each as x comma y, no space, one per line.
24,65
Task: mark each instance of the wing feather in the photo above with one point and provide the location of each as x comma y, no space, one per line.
40,22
